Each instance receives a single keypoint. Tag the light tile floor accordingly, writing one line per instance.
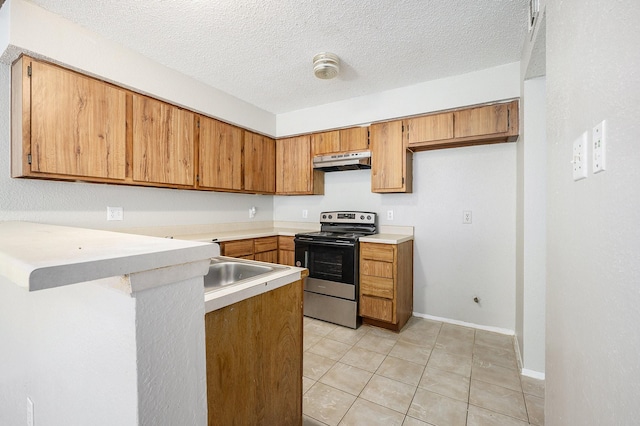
(431, 373)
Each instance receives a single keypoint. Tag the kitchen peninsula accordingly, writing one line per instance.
(103, 327)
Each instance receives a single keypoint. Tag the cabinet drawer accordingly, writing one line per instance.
(286, 243)
(376, 308)
(265, 244)
(381, 252)
(376, 268)
(376, 286)
(237, 248)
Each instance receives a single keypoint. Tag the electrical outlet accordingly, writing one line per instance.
(599, 147)
(579, 161)
(29, 412)
(115, 213)
(252, 212)
(389, 214)
(466, 217)
(305, 214)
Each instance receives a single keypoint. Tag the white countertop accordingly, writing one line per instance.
(386, 238)
(38, 256)
(241, 234)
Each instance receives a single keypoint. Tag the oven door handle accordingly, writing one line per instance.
(337, 243)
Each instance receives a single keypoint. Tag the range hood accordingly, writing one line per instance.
(339, 162)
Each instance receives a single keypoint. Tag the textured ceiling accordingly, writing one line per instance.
(261, 51)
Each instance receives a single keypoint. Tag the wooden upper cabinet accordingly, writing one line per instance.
(391, 163)
(259, 163)
(480, 121)
(163, 142)
(220, 155)
(337, 141)
(294, 171)
(477, 125)
(66, 123)
(429, 128)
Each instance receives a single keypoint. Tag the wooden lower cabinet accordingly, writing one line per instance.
(254, 360)
(386, 284)
(276, 249)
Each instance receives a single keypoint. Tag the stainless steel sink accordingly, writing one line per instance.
(224, 272)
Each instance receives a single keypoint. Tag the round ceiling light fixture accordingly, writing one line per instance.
(326, 65)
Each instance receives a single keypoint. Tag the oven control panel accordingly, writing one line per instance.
(348, 217)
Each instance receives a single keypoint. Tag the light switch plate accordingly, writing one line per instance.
(579, 161)
(599, 138)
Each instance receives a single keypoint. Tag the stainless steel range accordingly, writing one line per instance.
(331, 255)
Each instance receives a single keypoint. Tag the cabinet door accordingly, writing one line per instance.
(287, 257)
(267, 256)
(486, 120)
(294, 173)
(220, 155)
(390, 160)
(326, 143)
(78, 124)
(429, 128)
(163, 148)
(354, 139)
(254, 360)
(259, 163)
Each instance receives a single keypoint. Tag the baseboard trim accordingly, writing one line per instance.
(466, 324)
(533, 374)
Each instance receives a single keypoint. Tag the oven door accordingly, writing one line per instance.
(333, 261)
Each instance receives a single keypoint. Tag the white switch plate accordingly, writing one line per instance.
(305, 214)
(599, 138)
(389, 214)
(466, 217)
(115, 213)
(579, 162)
(252, 212)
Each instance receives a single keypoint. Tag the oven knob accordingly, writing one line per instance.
(369, 217)
(330, 216)
(324, 216)
(361, 217)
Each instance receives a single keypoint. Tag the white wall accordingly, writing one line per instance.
(452, 262)
(593, 268)
(172, 379)
(534, 145)
(82, 204)
(67, 348)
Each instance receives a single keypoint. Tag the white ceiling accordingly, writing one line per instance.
(261, 51)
